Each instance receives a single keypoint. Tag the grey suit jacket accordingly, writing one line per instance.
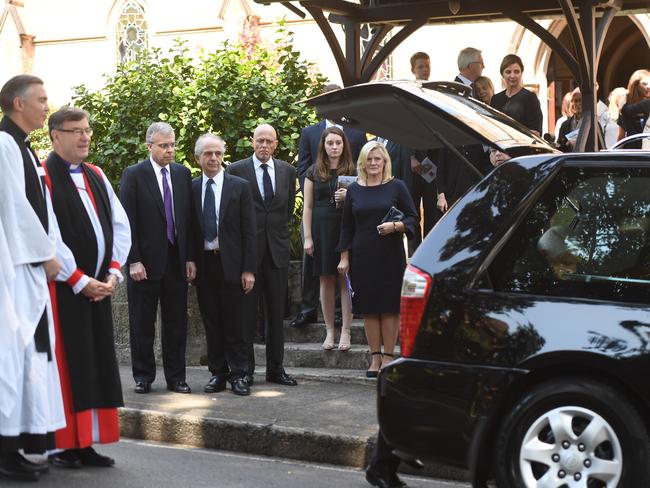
(272, 222)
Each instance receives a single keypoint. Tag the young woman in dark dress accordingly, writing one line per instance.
(321, 217)
(515, 101)
(373, 252)
(633, 116)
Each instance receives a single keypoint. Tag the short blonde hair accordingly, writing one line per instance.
(363, 158)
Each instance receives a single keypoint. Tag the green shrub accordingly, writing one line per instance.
(229, 92)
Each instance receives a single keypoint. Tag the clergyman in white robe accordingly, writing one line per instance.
(30, 393)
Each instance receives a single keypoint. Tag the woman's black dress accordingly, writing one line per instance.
(523, 106)
(632, 119)
(325, 223)
(376, 262)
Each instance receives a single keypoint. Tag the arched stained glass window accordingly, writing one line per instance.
(131, 32)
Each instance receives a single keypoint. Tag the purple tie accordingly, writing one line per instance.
(169, 211)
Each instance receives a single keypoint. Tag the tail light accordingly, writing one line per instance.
(415, 292)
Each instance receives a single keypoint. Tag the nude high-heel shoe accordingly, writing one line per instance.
(328, 345)
(344, 341)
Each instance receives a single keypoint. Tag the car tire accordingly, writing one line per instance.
(565, 430)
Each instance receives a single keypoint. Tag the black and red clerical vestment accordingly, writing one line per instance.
(85, 347)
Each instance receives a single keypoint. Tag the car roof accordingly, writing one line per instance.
(427, 115)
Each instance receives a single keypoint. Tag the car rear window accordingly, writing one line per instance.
(586, 237)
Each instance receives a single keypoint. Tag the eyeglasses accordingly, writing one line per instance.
(478, 62)
(77, 132)
(164, 145)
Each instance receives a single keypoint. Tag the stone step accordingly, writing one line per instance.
(332, 423)
(312, 355)
(316, 333)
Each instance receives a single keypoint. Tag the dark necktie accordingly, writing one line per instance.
(169, 211)
(209, 213)
(268, 186)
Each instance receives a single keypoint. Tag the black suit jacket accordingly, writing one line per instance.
(273, 222)
(308, 149)
(237, 244)
(141, 198)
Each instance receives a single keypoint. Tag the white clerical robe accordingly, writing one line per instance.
(30, 395)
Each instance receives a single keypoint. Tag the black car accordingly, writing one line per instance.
(525, 321)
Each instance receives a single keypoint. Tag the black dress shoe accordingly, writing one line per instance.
(240, 387)
(302, 320)
(281, 379)
(14, 466)
(142, 387)
(68, 459)
(23, 464)
(179, 387)
(90, 457)
(376, 478)
(249, 380)
(216, 384)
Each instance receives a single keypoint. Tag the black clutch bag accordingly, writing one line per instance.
(394, 215)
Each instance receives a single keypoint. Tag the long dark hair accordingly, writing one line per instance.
(345, 166)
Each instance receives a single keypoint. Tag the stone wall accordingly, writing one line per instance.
(195, 336)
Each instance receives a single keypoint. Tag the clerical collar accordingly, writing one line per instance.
(72, 168)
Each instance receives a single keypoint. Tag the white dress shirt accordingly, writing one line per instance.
(259, 173)
(465, 80)
(157, 169)
(216, 189)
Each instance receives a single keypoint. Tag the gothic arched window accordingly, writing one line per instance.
(131, 32)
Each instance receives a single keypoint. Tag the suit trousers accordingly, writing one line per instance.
(144, 296)
(427, 193)
(222, 310)
(383, 460)
(271, 288)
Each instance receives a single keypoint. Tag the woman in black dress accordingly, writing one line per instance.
(515, 101)
(633, 117)
(373, 252)
(321, 219)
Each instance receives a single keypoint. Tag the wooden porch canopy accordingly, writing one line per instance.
(587, 21)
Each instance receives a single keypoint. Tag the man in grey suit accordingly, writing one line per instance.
(273, 183)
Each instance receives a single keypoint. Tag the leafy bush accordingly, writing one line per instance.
(229, 91)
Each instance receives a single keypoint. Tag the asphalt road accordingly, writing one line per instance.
(145, 464)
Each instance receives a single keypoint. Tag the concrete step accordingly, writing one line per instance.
(312, 355)
(332, 423)
(316, 333)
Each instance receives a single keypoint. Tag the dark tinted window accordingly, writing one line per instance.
(587, 236)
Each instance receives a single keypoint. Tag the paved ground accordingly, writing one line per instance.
(152, 465)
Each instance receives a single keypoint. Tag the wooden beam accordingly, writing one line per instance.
(549, 39)
(294, 9)
(332, 41)
(373, 45)
(390, 46)
(353, 49)
(573, 24)
(603, 26)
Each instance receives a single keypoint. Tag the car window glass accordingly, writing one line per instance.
(587, 237)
